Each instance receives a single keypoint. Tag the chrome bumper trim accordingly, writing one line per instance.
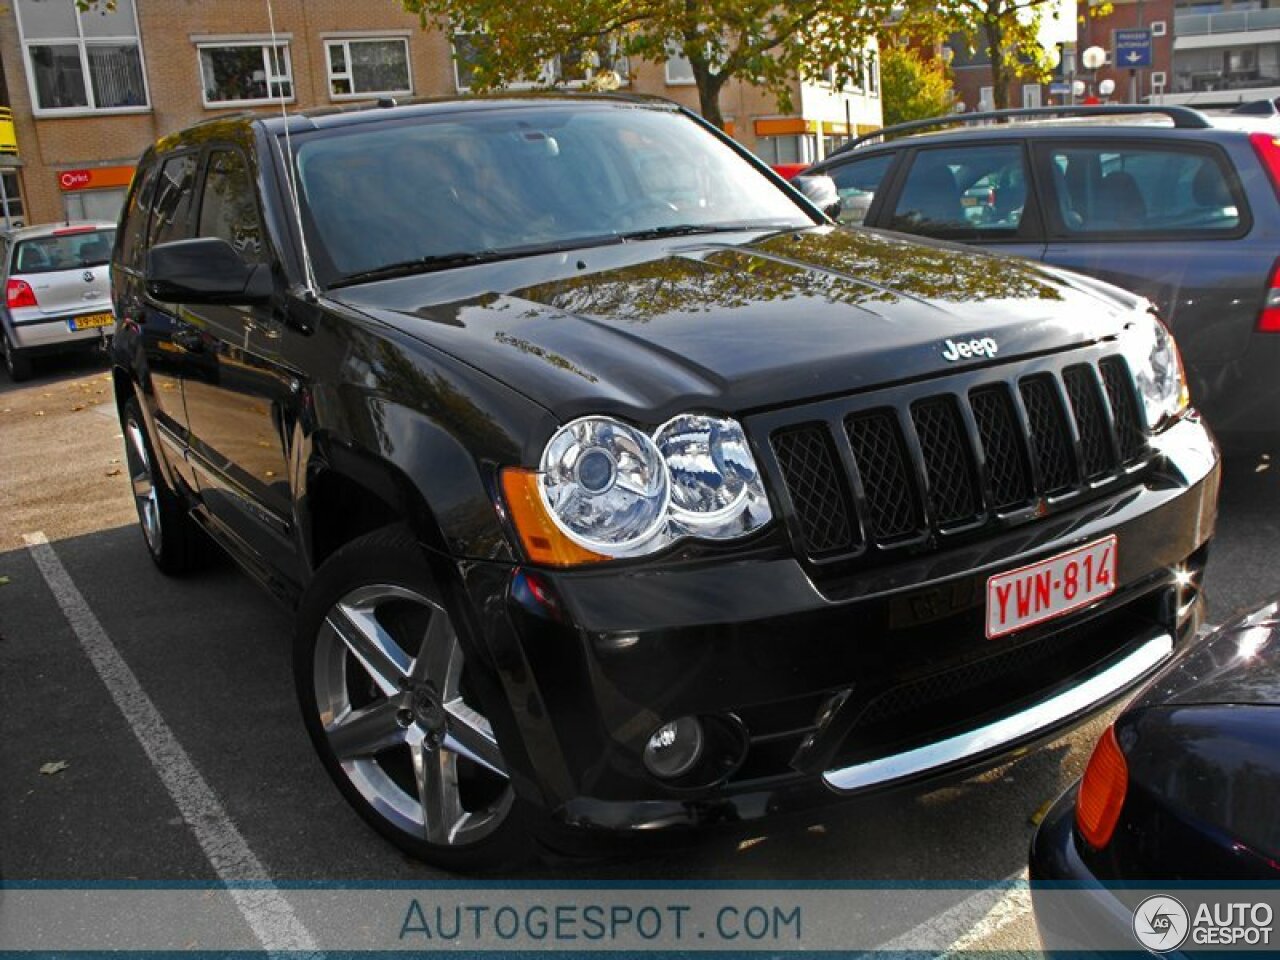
(1007, 730)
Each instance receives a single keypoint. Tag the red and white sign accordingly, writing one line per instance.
(1051, 588)
(95, 178)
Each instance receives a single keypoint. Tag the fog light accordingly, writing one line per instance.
(674, 748)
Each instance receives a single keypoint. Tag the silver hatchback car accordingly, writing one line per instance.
(57, 290)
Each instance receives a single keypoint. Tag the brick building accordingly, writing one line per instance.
(90, 91)
(1132, 86)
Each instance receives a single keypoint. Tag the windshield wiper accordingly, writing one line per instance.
(405, 268)
(693, 229)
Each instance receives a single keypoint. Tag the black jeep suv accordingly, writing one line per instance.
(617, 489)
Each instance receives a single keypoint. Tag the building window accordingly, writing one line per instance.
(1159, 79)
(873, 75)
(465, 57)
(243, 73)
(1159, 28)
(362, 68)
(679, 70)
(789, 148)
(78, 62)
(11, 213)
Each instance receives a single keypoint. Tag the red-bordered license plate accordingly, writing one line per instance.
(1051, 588)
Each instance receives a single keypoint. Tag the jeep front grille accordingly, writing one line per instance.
(942, 461)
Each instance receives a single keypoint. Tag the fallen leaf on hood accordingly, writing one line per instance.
(55, 766)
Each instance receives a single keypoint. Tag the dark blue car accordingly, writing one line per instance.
(1178, 206)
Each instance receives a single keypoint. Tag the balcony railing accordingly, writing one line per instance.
(1233, 21)
(8, 136)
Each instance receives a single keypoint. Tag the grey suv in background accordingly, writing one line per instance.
(1175, 205)
(57, 290)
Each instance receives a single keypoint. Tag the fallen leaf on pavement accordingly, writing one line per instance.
(39, 413)
(77, 408)
(4, 581)
(55, 766)
(113, 472)
(1040, 814)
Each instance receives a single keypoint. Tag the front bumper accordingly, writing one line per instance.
(883, 681)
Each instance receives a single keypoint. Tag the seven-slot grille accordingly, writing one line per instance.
(996, 449)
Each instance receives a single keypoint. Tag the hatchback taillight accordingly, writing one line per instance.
(18, 293)
(1267, 147)
(1269, 317)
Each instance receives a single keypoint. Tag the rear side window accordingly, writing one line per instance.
(857, 183)
(964, 192)
(228, 207)
(68, 251)
(1175, 190)
(172, 207)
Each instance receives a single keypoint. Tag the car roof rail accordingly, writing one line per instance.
(1182, 117)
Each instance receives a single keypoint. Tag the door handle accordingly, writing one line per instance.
(188, 339)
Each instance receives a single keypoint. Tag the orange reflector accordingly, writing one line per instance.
(542, 540)
(1102, 792)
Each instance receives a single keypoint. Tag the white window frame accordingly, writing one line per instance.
(1159, 80)
(263, 43)
(81, 41)
(1159, 28)
(345, 41)
(677, 81)
(873, 74)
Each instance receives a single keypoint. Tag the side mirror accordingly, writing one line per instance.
(821, 192)
(206, 270)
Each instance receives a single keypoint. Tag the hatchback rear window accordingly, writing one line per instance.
(70, 251)
(1105, 189)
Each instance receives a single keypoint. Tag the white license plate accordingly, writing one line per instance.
(1051, 588)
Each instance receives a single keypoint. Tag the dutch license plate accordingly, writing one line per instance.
(1051, 588)
(91, 320)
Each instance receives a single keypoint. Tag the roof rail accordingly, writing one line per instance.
(1183, 117)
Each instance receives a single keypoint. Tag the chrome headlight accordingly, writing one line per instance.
(618, 492)
(1157, 370)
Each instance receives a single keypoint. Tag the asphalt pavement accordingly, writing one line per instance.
(211, 654)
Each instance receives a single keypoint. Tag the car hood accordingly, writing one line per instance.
(648, 329)
(1236, 664)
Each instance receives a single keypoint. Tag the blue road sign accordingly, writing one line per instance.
(1059, 89)
(1132, 48)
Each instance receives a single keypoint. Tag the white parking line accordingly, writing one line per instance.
(1013, 906)
(264, 908)
(974, 918)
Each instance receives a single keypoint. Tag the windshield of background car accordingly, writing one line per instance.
(70, 251)
(489, 181)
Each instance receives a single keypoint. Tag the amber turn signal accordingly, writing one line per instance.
(543, 541)
(1102, 791)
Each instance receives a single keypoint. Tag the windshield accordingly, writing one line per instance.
(71, 250)
(484, 184)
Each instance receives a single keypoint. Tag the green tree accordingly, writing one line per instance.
(1008, 31)
(760, 41)
(912, 87)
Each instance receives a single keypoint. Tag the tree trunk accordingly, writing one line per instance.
(709, 86)
(1001, 73)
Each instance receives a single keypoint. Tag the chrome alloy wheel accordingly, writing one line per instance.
(390, 691)
(142, 477)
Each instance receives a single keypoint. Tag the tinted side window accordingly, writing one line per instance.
(1104, 189)
(857, 183)
(229, 207)
(964, 192)
(137, 215)
(171, 209)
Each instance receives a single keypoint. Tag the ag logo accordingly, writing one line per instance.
(88, 276)
(1161, 923)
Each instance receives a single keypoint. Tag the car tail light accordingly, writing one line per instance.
(18, 293)
(1269, 318)
(70, 231)
(1102, 791)
(1267, 147)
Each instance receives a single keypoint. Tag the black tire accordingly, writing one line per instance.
(16, 362)
(175, 542)
(383, 577)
